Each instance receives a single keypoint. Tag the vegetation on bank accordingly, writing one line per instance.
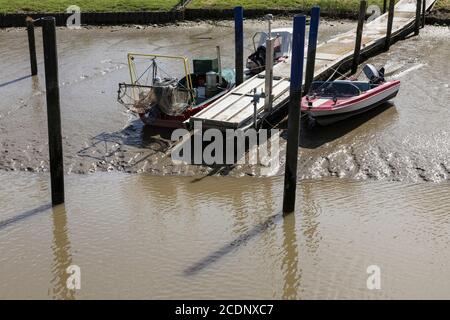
(443, 4)
(338, 5)
(329, 5)
(21, 6)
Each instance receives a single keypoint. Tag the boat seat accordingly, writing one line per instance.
(363, 86)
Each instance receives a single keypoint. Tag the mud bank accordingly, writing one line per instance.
(407, 141)
(441, 16)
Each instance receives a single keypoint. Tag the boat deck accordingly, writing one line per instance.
(236, 110)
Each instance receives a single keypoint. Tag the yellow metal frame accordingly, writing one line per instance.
(187, 68)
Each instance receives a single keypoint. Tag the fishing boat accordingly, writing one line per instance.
(164, 92)
(330, 101)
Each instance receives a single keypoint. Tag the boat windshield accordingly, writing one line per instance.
(283, 40)
(333, 89)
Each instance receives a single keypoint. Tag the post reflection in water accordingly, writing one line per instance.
(309, 212)
(291, 272)
(61, 255)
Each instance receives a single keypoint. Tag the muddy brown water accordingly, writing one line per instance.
(141, 236)
(187, 235)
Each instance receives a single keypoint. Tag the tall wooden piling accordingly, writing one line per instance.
(418, 15)
(268, 98)
(32, 46)
(290, 176)
(312, 45)
(384, 6)
(390, 22)
(53, 110)
(424, 11)
(239, 44)
(359, 33)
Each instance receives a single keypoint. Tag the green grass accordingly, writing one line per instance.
(338, 5)
(443, 4)
(14, 6)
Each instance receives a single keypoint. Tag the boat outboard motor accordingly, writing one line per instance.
(257, 60)
(375, 76)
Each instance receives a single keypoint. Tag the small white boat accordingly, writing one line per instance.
(282, 47)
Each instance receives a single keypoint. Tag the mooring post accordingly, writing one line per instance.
(239, 43)
(424, 11)
(384, 6)
(268, 97)
(53, 110)
(270, 43)
(387, 43)
(359, 33)
(219, 64)
(32, 46)
(290, 175)
(312, 45)
(417, 22)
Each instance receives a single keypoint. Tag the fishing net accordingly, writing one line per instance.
(153, 86)
(169, 98)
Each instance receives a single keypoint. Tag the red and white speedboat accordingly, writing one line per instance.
(330, 101)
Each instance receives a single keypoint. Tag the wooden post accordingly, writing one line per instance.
(359, 32)
(384, 6)
(424, 11)
(219, 64)
(32, 46)
(417, 22)
(290, 175)
(53, 110)
(387, 43)
(268, 97)
(239, 44)
(312, 45)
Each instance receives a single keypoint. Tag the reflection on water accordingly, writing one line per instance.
(310, 212)
(62, 258)
(290, 269)
(139, 236)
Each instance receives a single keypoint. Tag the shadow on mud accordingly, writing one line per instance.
(135, 135)
(313, 135)
(4, 84)
(135, 145)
